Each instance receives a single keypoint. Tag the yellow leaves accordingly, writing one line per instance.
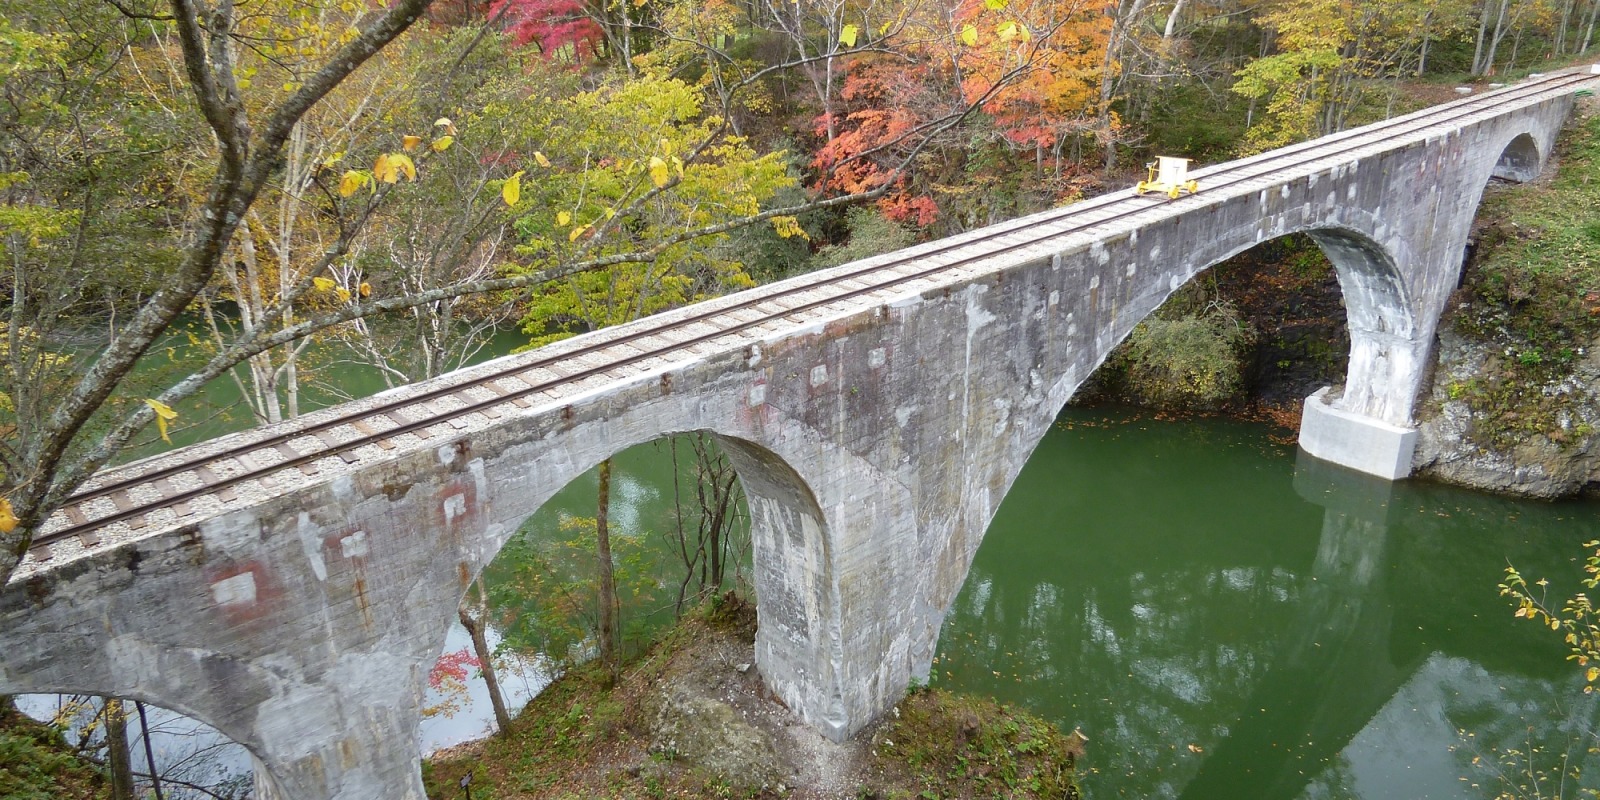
(576, 232)
(563, 219)
(1592, 675)
(406, 165)
(659, 174)
(332, 161)
(449, 127)
(330, 285)
(442, 143)
(409, 143)
(969, 35)
(164, 414)
(996, 5)
(8, 517)
(789, 226)
(352, 182)
(390, 166)
(1011, 30)
(542, 161)
(511, 190)
(847, 35)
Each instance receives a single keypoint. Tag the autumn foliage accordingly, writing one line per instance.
(555, 27)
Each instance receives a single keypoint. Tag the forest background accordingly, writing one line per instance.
(249, 177)
(195, 190)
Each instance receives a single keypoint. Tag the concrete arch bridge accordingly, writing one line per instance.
(292, 585)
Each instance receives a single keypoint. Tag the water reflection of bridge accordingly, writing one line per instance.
(1274, 715)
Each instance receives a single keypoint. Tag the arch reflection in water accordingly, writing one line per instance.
(1223, 625)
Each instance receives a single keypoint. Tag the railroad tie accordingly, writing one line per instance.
(182, 507)
(332, 443)
(451, 417)
(501, 391)
(367, 430)
(308, 468)
(421, 432)
(75, 515)
(265, 478)
(124, 502)
(469, 401)
(226, 493)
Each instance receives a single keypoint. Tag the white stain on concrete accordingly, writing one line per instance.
(235, 590)
(311, 544)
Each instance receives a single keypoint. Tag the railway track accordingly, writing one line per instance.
(178, 484)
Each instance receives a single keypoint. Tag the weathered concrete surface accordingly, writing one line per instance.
(1361, 443)
(875, 443)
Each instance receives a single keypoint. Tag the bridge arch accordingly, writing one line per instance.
(1520, 161)
(1381, 315)
(789, 537)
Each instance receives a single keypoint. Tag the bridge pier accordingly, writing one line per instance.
(1355, 441)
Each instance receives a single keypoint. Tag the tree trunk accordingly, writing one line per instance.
(1172, 25)
(1427, 39)
(608, 580)
(1495, 37)
(1588, 27)
(1477, 47)
(480, 647)
(118, 755)
(149, 751)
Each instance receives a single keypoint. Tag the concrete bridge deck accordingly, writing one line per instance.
(291, 585)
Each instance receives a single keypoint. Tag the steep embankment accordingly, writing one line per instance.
(1515, 399)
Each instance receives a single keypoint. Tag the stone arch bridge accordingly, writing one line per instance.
(291, 586)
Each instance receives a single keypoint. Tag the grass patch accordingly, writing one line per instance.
(939, 745)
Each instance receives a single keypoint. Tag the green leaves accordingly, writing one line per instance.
(645, 164)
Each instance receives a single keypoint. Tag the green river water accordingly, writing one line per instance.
(1224, 620)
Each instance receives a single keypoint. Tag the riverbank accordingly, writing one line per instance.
(1515, 399)
(691, 718)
